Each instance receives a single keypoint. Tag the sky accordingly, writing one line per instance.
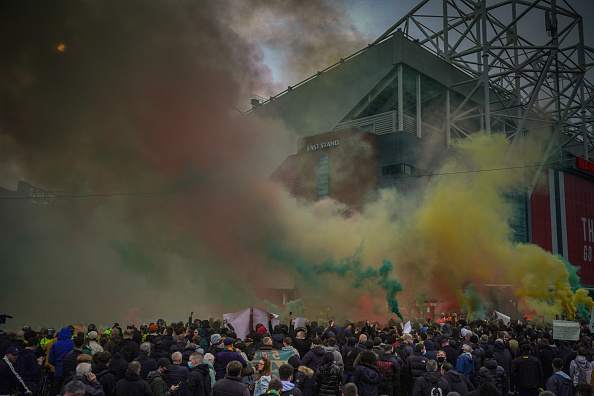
(128, 110)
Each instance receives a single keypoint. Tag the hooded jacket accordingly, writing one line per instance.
(578, 364)
(60, 349)
(494, 371)
(429, 380)
(367, 378)
(290, 389)
(198, 383)
(313, 359)
(301, 376)
(157, 383)
(106, 378)
(560, 384)
(465, 365)
(458, 382)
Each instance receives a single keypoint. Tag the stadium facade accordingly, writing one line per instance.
(388, 114)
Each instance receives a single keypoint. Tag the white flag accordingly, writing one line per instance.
(505, 318)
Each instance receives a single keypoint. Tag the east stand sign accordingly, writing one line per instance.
(565, 330)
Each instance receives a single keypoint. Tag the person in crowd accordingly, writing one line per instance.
(492, 371)
(559, 383)
(10, 381)
(580, 369)
(526, 372)
(264, 376)
(225, 356)
(127, 347)
(390, 366)
(458, 382)
(328, 377)
(285, 374)
(414, 367)
(69, 364)
(146, 363)
(350, 389)
(105, 375)
(28, 365)
(198, 382)
(57, 353)
(156, 379)
(230, 384)
(367, 376)
(465, 362)
(133, 384)
(84, 374)
(178, 374)
(431, 383)
(94, 346)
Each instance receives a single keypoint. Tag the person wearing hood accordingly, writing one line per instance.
(526, 372)
(431, 380)
(301, 374)
(494, 371)
(502, 356)
(367, 376)
(457, 381)
(285, 374)
(332, 347)
(580, 369)
(198, 382)
(465, 362)
(559, 383)
(485, 389)
(57, 353)
(546, 354)
(313, 360)
(215, 344)
(104, 374)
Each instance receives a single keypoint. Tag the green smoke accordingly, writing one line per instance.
(474, 302)
(350, 268)
(574, 282)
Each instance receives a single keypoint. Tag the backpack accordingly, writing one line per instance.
(584, 373)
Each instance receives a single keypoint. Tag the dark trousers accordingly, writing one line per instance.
(528, 391)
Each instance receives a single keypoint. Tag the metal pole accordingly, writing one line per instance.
(400, 100)
(485, 75)
(419, 120)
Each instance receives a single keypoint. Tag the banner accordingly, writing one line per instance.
(239, 321)
(300, 322)
(407, 328)
(564, 330)
(503, 317)
(276, 357)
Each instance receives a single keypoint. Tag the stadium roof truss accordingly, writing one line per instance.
(527, 60)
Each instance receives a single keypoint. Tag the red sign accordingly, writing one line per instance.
(584, 165)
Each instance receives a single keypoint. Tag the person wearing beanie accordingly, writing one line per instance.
(94, 346)
(215, 344)
(224, 357)
(209, 360)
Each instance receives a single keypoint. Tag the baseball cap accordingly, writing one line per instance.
(12, 351)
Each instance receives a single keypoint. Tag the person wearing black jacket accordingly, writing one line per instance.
(146, 363)
(527, 372)
(198, 382)
(231, 385)
(105, 375)
(414, 367)
(328, 378)
(390, 367)
(457, 381)
(429, 380)
(451, 352)
(69, 365)
(132, 384)
(127, 348)
(491, 370)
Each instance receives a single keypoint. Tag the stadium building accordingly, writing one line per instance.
(387, 115)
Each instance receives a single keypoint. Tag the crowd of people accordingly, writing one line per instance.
(205, 358)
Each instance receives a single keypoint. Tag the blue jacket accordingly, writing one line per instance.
(560, 384)
(60, 349)
(465, 365)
